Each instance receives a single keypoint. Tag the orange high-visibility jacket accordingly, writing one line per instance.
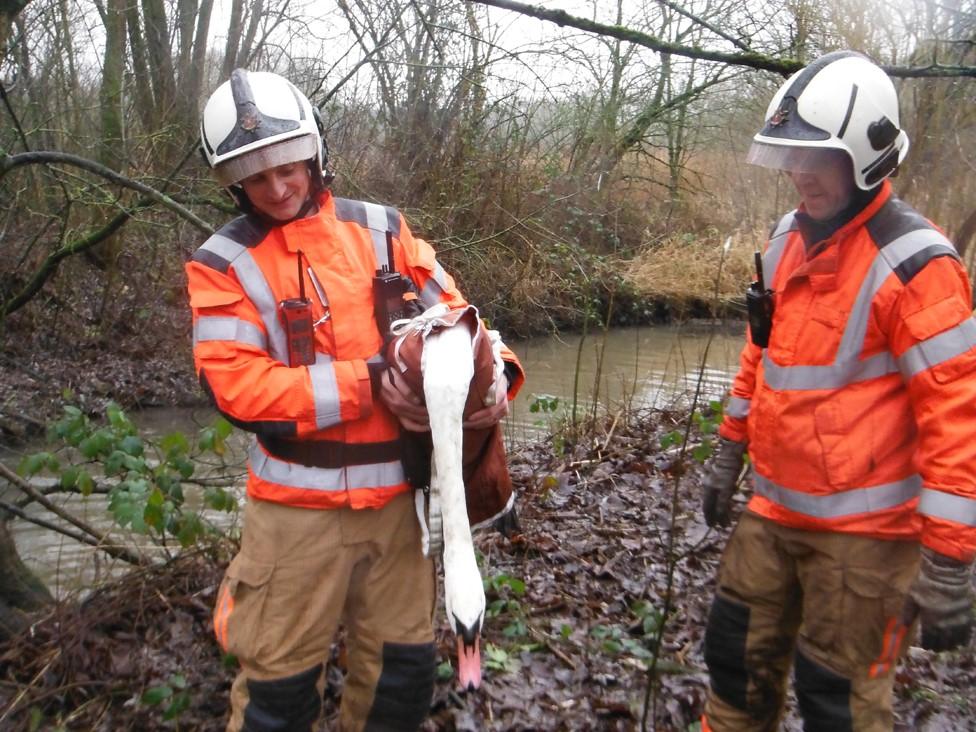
(322, 441)
(861, 414)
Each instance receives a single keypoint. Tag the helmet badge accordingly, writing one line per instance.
(782, 115)
(248, 116)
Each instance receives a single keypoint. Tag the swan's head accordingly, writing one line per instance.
(464, 601)
(469, 653)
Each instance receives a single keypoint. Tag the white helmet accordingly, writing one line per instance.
(841, 101)
(258, 120)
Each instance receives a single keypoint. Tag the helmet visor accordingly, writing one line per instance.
(264, 158)
(793, 159)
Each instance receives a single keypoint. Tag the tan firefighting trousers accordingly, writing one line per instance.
(301, 572)
(827, 602)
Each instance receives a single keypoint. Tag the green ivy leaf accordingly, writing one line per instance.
(85, 483)
(132, 445)
(114, 462)
(174, 443)
(157, 695)
(184, 466)
(190, 529)
(88, 447)
(223, 428)
(69, 477)
(180, 703)
(33, 464)
(701, 452)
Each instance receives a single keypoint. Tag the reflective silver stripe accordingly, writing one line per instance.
(325, 390)
(776, 247)
(801, 378)
(907, 245)
(737, 407)
(323, 357)
(435, 286)
(377, 224)
(844, 503)
(256, 288)
(225, 248)
(293, 475)
(261, 296)
(848, 367)
(213, 328)
(938, 349)
(940, 504)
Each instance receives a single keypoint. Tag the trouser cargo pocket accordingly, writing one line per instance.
(240, 604)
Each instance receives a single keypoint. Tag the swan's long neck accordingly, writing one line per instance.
(448, 365)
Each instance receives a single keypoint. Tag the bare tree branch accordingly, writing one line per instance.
(101, 541)
(51, 261)
(751, 59)
(738, 42)
(10, 162)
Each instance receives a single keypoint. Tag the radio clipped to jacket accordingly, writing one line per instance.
(759, 306)
(393, 296)
(296, 317)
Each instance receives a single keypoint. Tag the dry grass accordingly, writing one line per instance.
(683, 269)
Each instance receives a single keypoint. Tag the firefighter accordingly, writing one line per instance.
(859, 419)
(287, 343)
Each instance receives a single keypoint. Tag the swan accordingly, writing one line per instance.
(445, 342)
(447, 364)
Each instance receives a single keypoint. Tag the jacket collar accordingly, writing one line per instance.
(302, 233)
(817, 235)
(822, 264)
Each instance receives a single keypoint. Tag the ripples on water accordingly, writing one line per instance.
(640, 367)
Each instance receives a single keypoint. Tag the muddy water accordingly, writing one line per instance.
(624, 368)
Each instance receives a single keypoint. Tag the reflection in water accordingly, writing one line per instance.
(640, 367)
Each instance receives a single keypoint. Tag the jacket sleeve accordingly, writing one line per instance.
(933, 338)
(435, 285)
(254, 390)
(735, 421)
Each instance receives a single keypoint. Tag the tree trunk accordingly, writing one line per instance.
(9, 9)
(966, 233)
(21, 592)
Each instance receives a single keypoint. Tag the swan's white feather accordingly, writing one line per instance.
(447, 364)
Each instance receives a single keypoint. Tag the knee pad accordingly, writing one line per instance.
(281, 705)
(725, 650)
(823, 696)
(405, 687)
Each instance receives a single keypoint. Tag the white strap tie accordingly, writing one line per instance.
(423, 324)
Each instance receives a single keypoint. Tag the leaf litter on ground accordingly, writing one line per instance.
(611, 543)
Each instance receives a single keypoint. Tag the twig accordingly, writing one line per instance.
(102, 540)
(27, 688)
(548, 644)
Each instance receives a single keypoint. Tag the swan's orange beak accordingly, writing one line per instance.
(469, 663)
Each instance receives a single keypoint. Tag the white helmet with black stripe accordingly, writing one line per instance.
(258, 120)
(841, 101)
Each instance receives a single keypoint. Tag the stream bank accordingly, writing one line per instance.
(574, 600)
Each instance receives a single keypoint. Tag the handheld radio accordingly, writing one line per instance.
(393, 298)
(759, 307)
(296, 316)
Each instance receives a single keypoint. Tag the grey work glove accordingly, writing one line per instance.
(942, 597)
(720, 482)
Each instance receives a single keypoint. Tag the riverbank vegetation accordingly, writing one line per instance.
(572, 178)
(596, 610)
